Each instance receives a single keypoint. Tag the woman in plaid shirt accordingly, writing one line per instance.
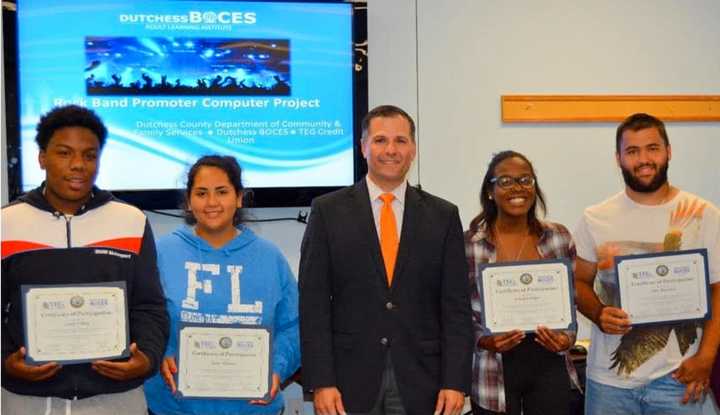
(514, 372)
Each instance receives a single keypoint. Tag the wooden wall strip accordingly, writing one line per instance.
(608, 108)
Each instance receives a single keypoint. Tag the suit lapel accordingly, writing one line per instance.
(366, 227)
(407, 234)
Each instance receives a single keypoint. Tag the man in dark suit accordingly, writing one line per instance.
(384, 306)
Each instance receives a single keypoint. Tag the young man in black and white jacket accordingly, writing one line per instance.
(68, 231)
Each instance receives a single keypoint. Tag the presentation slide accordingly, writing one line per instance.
(270, 83)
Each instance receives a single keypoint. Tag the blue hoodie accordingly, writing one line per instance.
(266, 284)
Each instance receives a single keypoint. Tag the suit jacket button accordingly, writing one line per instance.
(389, 305)
(384, 341)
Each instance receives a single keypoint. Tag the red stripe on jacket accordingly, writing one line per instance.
(16, 247)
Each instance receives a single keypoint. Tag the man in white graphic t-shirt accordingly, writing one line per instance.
(656, 369)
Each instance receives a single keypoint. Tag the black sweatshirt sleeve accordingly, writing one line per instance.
(149, 324)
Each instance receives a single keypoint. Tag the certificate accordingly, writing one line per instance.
(664, 287)
(226, 362)
(524, 295)
(72, 324)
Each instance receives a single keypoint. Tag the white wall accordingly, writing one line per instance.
(470, 52)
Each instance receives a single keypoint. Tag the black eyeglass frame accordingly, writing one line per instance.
(514, 180)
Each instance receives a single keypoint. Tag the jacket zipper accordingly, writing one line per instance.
(67, 229)
(69, 245)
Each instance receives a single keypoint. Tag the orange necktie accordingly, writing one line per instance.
(388, 235)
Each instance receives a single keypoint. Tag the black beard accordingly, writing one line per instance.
(657, 182)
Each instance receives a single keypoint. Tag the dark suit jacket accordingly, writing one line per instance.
(350, 319)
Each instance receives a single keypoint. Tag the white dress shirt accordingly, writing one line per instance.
(398, 204)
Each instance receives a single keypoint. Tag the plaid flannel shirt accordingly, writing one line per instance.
(488, 388)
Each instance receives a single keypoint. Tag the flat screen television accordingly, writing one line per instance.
(279, 85)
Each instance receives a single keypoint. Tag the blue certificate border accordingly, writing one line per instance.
(702, 252)
(571, 287)
(24, 289)
(181, 326)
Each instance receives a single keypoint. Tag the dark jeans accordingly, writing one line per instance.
(536, 380)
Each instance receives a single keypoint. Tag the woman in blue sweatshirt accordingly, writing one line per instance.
(217, 271)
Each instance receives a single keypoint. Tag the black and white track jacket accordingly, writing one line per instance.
(106, 240)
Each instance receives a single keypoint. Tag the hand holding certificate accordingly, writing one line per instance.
(664, 287)
(224, 362)
(17, 367)
(75, 324)
(136, 366)
(525, 295)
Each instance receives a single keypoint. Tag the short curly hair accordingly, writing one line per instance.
(69, 116)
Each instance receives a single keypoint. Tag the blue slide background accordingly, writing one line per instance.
(150, 147)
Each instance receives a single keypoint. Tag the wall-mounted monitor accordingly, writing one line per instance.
(279, 85)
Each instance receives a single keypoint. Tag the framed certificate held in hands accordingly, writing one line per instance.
(664, 287)
(72, 324)
(224, 362)
(524, 295)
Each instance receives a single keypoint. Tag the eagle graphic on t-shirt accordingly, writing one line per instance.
(641, 343)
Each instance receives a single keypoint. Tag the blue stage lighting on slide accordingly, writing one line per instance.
(152, 45)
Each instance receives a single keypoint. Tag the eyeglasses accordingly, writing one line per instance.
(506, 182)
